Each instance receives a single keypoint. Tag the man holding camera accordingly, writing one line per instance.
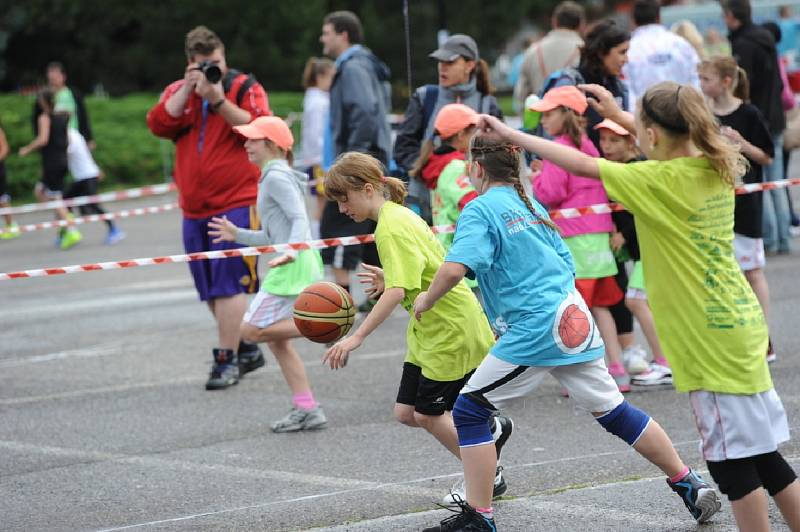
(215, 178)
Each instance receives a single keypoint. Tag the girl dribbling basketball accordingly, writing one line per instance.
(440, 357)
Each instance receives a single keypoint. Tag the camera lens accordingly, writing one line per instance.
(213, 73)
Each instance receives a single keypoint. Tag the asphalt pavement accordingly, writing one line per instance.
(105, 423)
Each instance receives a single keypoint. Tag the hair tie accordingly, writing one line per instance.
(383, 179)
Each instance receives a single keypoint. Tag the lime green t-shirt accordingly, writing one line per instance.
(451, 188)
(454, 336)
(592, 255)
(65, 102)
(707, 317)
(292, 278)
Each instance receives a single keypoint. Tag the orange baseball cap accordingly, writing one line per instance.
(270, 128)
(454, 117)
(567, 96)
(613, 126)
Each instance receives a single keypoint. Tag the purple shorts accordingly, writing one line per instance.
(220, 277)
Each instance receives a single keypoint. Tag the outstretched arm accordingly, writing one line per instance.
(448, 275)
(569, 159)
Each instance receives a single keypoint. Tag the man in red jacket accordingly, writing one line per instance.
(215, 178)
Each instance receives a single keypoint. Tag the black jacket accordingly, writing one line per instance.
(83, 117)
(754, 49)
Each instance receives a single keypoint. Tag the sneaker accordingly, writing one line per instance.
(635, 359)
(250, 358)
(467, 520)
(459, 492)
(224, 372)
(114, 236)
(71, 238)
(12, 231)
(506, 427)
(621, 377)
(698, 496)
(771, 356)
(298, 419)
(654, 376)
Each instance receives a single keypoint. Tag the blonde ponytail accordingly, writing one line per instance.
(681, 111)
(353, 170)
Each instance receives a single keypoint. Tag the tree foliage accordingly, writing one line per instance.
(138, 46)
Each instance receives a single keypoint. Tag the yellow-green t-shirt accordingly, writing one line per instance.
(454, 336)
(708, 320)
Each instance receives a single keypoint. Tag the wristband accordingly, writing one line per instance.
(217, 105)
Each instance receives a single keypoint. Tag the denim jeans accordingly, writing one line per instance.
(776, 205)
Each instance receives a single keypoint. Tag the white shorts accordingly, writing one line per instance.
(749, 252)
(738, 426)
(267, 309)
(588, 383)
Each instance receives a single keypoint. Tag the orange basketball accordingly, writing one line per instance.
(574, 326)
(324, 312)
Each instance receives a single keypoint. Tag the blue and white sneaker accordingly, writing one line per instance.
(114, 236)
(699, 497)
(467, 520)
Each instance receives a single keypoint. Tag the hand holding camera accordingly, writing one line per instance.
(204, 78)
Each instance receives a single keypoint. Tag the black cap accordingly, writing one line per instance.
(458, 45)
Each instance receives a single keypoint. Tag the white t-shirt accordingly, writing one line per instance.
(79, 158)
(655, 55)
(316, 105)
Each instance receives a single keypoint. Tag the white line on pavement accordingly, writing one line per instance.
(12, 401)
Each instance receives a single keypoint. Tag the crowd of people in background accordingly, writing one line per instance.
(693, 106)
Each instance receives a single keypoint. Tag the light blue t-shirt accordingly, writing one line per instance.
(527, 279)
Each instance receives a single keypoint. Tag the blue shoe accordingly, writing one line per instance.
(467, 520)
(114, 236)
(225, 371)
(698, 496)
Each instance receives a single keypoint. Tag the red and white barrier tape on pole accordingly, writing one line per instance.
(139, 211)
(599, 208)
(150, 190)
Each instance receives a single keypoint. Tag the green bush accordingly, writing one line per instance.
(127, 152)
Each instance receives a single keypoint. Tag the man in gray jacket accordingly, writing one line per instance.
(360, 101)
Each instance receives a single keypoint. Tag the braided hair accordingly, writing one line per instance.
(501, 164)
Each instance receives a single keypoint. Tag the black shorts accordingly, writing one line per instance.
(53, 177)
(428, 397)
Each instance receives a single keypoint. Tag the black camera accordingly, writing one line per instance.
(210, 69)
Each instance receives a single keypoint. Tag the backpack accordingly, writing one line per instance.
(564, 76)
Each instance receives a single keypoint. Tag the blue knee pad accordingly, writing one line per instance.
(472, 422)
(625, 421)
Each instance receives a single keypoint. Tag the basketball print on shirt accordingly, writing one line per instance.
(574, 330)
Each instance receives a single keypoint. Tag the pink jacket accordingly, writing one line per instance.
(558, 189)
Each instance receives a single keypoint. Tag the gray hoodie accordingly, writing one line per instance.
(281, 207)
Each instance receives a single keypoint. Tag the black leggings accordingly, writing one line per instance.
(87, 187)
(739, 477)
(623, 317)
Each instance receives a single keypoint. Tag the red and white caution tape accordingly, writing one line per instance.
(771, 185)
(204, 255)
(139, 211)
(600, 208)
(150, 190)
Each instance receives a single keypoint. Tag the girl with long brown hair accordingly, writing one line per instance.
(709, 321)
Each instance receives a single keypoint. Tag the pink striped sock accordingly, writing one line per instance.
(304, 400)
(486, 512)
(680, 475)
(662, 361)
